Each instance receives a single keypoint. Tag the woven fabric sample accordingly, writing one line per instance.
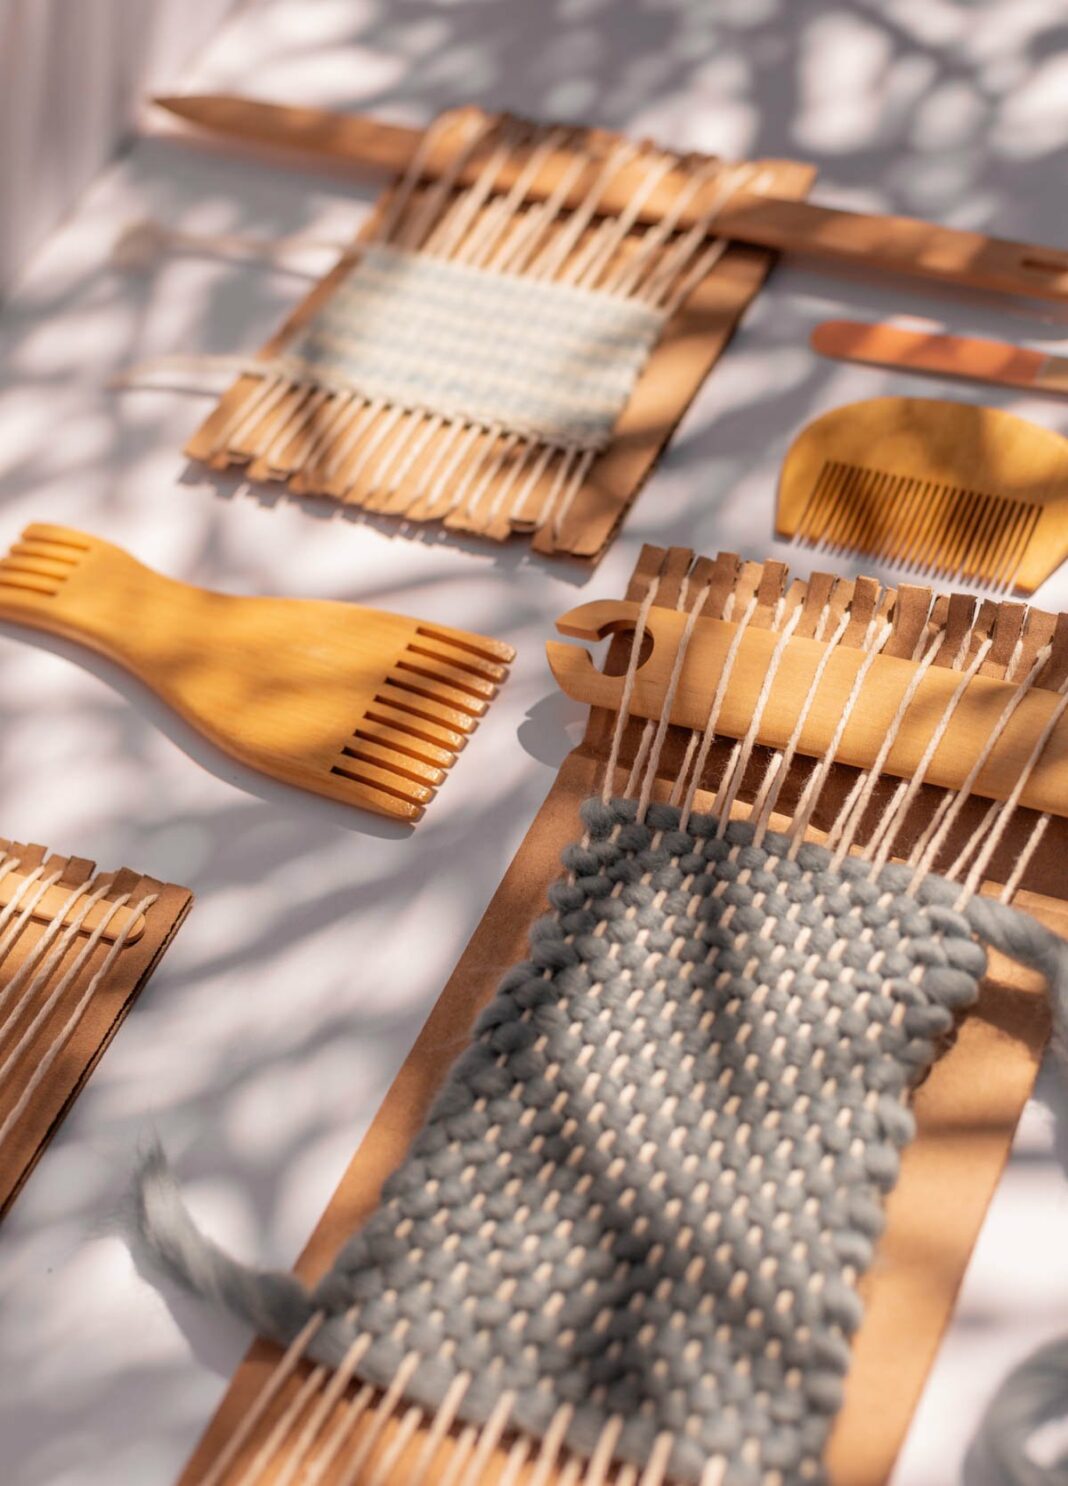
(648, 1188)
(511, 339)
(529, 356)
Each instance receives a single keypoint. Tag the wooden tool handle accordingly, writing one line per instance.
(899, 245)
(191, 645)
(83, 589)
(972, 722)
(929, 351)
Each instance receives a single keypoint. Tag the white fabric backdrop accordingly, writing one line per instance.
(70, 77)
(320, 939)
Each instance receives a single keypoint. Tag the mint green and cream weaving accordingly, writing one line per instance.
(475, 351)
(551, 362)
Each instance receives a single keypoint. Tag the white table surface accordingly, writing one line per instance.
(321, 938)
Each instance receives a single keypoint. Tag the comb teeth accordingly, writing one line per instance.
(420, 719)
(42, 560)
(942, 531)
(487, 658)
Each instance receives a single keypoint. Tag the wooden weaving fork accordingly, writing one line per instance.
(365, 707)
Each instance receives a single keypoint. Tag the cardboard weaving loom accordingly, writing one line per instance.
(745, 690)
(394, 385)
(76, 948)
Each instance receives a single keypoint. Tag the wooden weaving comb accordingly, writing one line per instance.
(76, 948)
(365, 707)
(963, 493)
(965, 1111)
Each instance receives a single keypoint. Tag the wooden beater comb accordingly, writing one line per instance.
(945, 489)
(365, 707)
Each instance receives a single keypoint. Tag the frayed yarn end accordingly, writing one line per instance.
(161, 1227)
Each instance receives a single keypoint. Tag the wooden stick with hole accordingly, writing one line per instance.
(882, 244)
(882, 689)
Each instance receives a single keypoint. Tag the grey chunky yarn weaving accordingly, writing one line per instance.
(672, 1133)
(650, 1184)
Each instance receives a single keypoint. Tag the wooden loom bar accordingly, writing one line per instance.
(890, 244)
(882, 689)
(51, 905)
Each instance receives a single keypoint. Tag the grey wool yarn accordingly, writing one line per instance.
(649, 1186)
(1034, 1393)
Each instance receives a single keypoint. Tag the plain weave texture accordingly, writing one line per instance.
(649, 1185)
(546, 360)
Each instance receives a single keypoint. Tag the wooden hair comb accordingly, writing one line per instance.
(941, 488)
(365, 707)
(76, 947)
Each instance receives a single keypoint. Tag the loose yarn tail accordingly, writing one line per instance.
(1035, 1393)
(275, 1303)
(1025, 940)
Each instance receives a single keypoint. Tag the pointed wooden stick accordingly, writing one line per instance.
(898, 245)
